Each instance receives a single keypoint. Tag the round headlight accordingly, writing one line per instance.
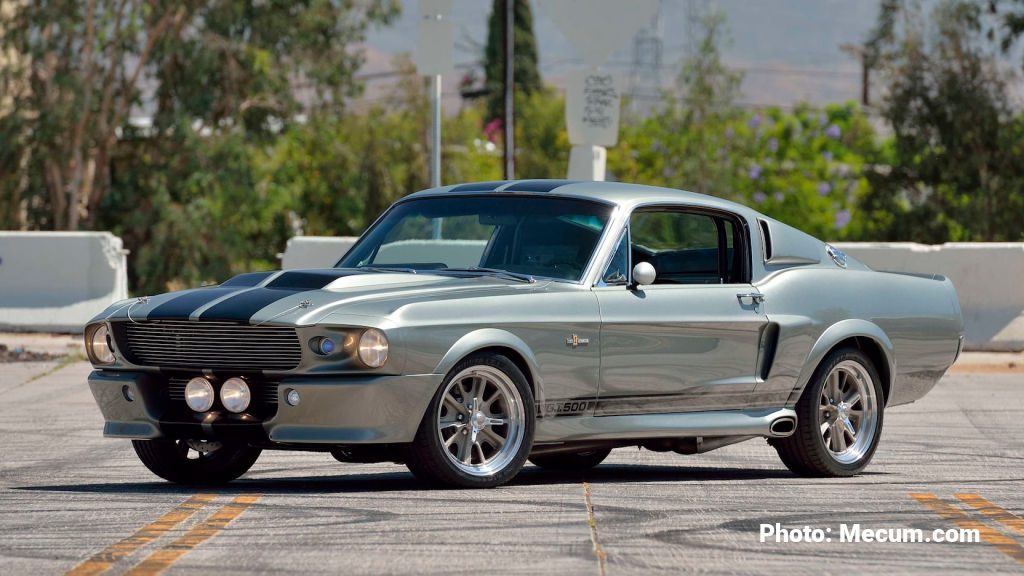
(199, 394)
(234, 395)
(99, 346)
(373, 348)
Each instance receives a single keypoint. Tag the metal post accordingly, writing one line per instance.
(435, 149)
(509, 88)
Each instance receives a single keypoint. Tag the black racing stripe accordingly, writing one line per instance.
(479, 186)
(241, 308)
(538, 185)
(310, 279)
(184, 305)
(247, 280)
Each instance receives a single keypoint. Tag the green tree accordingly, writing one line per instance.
(954, 170)
(542, 141)
(524, 67)
(804, 167)
(221, 64)
(82, 63)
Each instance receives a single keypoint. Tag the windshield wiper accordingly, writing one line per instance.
(493, 271)
(386, 269)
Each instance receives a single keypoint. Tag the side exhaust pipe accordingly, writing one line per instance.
(782, 427)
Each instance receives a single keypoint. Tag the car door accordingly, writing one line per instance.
(690, 340)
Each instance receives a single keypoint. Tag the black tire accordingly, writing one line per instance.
(169, 460)
(428, 459)
(805, 452)
(571, 462)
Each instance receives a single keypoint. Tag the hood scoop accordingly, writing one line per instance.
(381, 279)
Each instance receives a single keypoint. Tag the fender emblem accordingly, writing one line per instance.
(575, 341)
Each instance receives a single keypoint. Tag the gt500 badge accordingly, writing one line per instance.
(566, 408)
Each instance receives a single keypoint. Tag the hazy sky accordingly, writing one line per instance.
(788, 49)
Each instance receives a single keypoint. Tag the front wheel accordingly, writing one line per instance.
(839, 418)
(196, 461)
(478, 429)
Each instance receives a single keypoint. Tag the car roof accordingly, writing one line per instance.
(618, 193)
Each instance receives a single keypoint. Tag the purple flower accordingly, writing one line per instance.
(729, 132)
(754, 121)
(824, 188)
(755, 172)
(773, 145)
(779, 196)
(760, 197)
(834, 132)
(827, 156)
(822, 119)
(842, 219)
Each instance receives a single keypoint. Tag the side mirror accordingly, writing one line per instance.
(644, 274)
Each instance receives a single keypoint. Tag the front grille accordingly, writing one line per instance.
(210, 345)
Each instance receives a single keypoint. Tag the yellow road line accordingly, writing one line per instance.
(602, 557)
(107, 557)
(1005, 517)
(990, 535)
(163, 558)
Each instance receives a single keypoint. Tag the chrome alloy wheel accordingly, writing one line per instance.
(848, 412)
(481, 420)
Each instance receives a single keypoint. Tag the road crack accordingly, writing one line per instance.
(602, 557)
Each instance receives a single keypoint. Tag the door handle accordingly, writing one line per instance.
(754, 297)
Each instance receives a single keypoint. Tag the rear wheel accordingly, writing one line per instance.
(196, 461)
(839, 418)
(571, 462)
(479, 427)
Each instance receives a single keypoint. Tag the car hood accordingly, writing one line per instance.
(305, 297)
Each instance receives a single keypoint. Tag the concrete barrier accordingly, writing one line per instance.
(57, 281)
(315, 251)
(988, 277)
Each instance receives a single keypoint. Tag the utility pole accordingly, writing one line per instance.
(509, 89)
(861, 53)
(865, 80)
(435, 150)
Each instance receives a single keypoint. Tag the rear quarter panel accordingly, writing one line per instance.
(915, 320)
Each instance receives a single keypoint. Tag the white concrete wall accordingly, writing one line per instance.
(57, 281)
(315, 251)
(989, 279)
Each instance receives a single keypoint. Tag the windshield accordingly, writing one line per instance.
(547, 237)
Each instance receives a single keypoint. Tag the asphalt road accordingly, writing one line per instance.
(70, 499)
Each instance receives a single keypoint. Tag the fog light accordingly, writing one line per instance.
(292, 397)
(373, 348)
(235, 395)
(199, 394)
(128, 393)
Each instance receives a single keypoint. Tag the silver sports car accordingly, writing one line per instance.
(478, 326)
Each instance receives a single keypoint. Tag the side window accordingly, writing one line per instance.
(618, 268)
(686, 247)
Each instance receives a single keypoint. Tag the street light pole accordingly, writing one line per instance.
(509, 87)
